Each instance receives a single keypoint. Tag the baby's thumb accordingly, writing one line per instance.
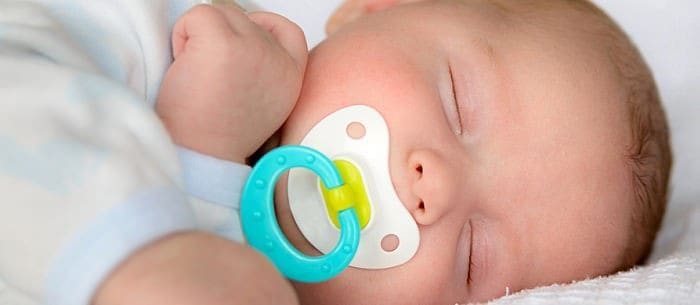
(286, 32)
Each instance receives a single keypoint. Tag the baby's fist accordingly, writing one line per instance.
(234, 81)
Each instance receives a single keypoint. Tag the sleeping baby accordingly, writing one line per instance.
(526, 140)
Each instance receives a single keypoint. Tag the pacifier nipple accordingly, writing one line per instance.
(356, 138)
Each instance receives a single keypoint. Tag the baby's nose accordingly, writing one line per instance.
(431, 184)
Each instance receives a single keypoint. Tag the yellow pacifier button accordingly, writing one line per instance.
(352, 194)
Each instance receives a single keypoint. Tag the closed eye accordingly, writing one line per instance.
(459, 128)
(471, 253)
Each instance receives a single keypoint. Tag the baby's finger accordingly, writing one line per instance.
(286, 32)
(228, 2)
(202, 21)
(179, 38)
(236, 17)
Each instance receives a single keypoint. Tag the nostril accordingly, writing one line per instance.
(419, 168)
(421, 205)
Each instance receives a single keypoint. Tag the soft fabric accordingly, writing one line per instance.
(88, 174)
(673, 279)
(216, 187)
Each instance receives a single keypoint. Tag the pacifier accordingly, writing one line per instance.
(260, 225)
(343, 203)
(357, 138)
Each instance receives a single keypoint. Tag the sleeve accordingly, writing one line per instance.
(88, 175)
(215, 187)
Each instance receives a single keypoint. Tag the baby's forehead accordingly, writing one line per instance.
(426, 13)
(535, 19)
(430, 23)
(561, 14)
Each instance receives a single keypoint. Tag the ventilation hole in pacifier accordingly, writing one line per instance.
(390, 242)
(356, 130)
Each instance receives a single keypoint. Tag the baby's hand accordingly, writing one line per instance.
(234, 81)
(195, 269)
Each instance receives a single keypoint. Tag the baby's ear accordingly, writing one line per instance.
(353, 9)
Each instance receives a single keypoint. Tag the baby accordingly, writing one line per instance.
(527, 139)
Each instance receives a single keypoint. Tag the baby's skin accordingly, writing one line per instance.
(508, 144)
(233, 82)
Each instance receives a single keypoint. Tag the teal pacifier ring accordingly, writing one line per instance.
(262, 230)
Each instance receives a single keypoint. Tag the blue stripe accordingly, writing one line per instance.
(107, 241)
(211, 179)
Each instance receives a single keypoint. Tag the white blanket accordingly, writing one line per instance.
(673, 279)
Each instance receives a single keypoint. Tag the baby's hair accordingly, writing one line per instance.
(649, 156)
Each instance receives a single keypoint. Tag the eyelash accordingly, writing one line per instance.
(471, 253)
(460, 128)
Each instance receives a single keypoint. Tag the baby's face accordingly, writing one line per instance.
(507, 147)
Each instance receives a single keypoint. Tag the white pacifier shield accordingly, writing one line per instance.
(370, 153)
